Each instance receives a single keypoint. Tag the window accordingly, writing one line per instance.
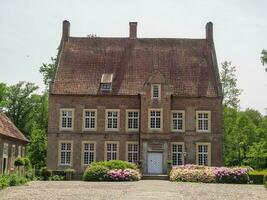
(203, 121)
(177, 154)
(203, 154)
(65, 153)
(67, 116)
(106, 82)
(132, 152)
(155, 92)
(13, 155)
(112, 120)
(178, 122)
(19, 151)
(106, 86)
(88, 152)
(132, 120)
(89, 121)
(112, 151)
(155, 119)
(5, 150)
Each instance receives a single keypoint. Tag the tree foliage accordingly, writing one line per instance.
(19, 104)
(38, 146)
(264, 58)
(231, 92)
(48, 71)
(245, 132)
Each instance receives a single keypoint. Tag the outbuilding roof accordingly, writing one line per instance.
(8, 129)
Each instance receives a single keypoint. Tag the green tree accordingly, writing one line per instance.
(48, 70)
(264, 58)
(37, 148)
(231, 92)
(257, 155)
(3, 91)
(19, 104)
(254, 115)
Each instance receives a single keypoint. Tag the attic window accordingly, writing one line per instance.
(106, 82)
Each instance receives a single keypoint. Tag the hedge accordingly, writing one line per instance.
(257, 177)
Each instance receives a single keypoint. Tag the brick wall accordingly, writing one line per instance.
(167, 103)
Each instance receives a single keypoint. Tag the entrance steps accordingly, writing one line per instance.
(155, 177)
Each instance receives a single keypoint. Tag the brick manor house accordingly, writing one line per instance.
(153, 100)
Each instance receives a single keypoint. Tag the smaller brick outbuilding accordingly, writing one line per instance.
(12, 144)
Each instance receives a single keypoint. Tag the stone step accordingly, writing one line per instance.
(155, 177)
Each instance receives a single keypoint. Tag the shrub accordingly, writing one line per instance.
(3, 182)
(123, 175)
(19, 162)
(194, 173)
(46, 173)
(95, 173)
(15, 179)
(27, 162)
(56, 178)
(190, 173)
(116, 164)
(257, 177)
(231, 175)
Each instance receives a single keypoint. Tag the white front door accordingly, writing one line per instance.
(154, 163)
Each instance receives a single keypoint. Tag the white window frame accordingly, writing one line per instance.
(161, 119)
(107, 117)
(208, 153)
(197, 121)
(178, 152)
(152, 91)
(19, 151)
(88, 151)
(183, 120)
(13, 156)
(61, 118)
(133, 118)
(117, 150)
(59, 152)
(129, 151)
(84, 119)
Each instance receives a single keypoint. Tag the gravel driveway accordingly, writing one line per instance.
(145, 189)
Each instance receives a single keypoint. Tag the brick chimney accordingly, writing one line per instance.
(133, 30)
(66, 30)
(209, 31)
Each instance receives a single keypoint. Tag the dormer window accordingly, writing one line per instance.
(155, 91)
(106, 82)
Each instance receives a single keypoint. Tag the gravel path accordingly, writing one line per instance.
(146, 189)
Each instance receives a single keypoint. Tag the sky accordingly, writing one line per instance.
(30, 32)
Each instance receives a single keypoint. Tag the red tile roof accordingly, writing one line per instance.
(7, 128)
(187, 65)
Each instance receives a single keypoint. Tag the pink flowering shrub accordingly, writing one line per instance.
(192, 173)
(205, 174)
(123, 175)
(113, 170)
(231, 175)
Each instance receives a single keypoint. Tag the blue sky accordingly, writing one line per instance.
(30, 32)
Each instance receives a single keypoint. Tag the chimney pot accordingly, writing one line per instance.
(209, 31)
(133, 30)
(66, 30)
